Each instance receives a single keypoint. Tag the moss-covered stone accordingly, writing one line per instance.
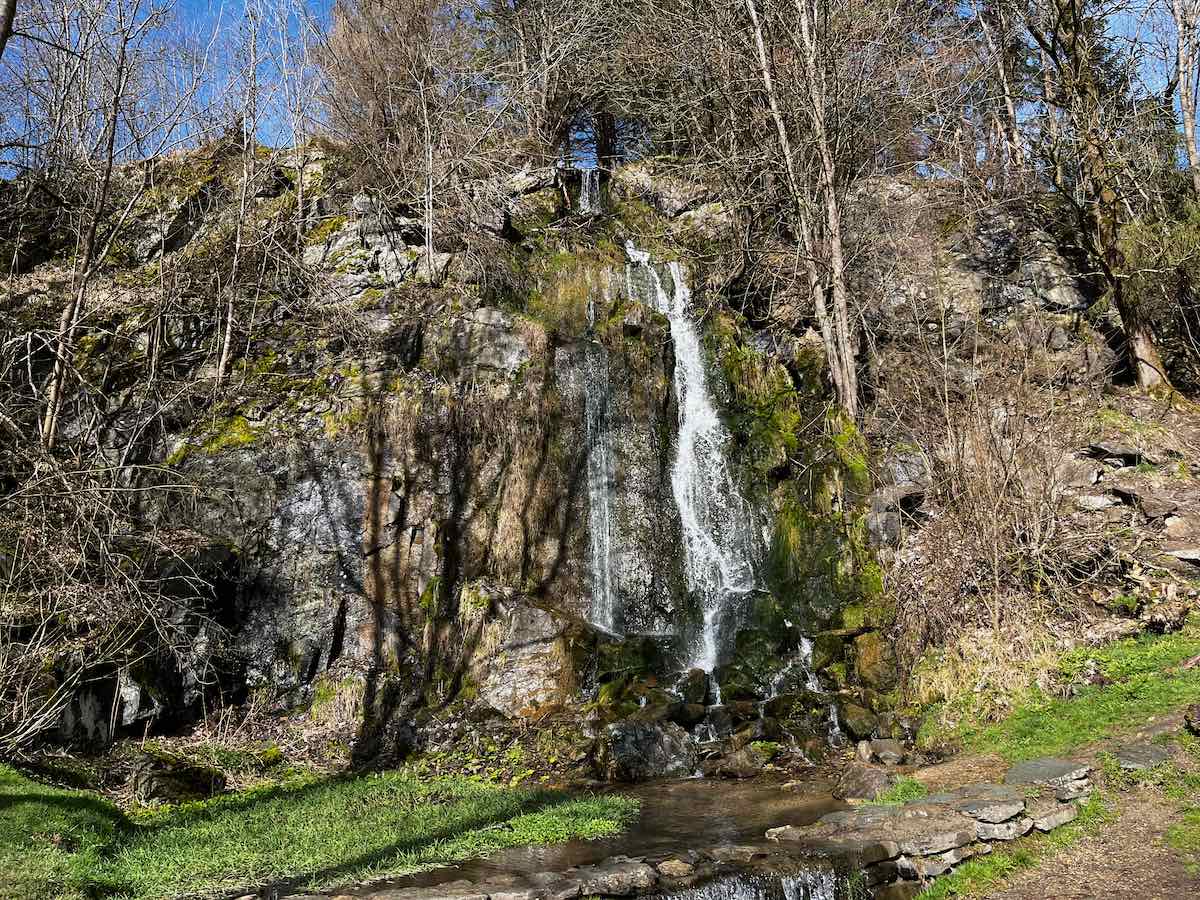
(875, 661)
(535, 212)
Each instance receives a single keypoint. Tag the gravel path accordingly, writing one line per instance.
(1127, 860)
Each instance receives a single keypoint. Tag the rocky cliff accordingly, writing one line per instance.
(391, 499)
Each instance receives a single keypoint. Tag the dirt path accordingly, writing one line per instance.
(1127, 859)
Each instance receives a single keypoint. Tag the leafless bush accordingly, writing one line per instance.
(995, 546)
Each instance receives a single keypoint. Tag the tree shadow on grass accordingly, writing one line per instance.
(118, 833)
(349, 869)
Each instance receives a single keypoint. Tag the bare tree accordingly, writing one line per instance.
(1070, 36)
(1186, 16)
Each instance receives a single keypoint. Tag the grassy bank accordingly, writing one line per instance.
(1135, 681)
(310, 832)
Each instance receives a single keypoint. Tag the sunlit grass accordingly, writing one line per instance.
(311, 832)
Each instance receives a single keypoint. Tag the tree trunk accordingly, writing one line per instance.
(843, 356)
(1185, 14)
(8, 13)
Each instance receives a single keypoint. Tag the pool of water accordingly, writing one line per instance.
(677, 816)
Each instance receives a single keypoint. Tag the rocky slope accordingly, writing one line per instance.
(389, 494)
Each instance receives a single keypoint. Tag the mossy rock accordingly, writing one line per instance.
(875, 661)
(162, 776)
(858, 721)
(535, 212)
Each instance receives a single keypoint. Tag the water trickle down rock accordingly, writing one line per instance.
(716, 521)
(604, 611)
(817, 883)
(589, 192)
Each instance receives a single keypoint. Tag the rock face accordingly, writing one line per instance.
(632, 751)
(392, 497)
(160, 778)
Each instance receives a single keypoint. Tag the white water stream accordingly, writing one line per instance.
(715, 518)
(589, 192)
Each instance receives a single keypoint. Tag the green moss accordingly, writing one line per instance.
(768, 750)
(325, 230)
(535, 212)
(232, 433)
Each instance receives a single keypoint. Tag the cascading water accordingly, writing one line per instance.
(800, 668)
(589, 192)
(599, 478)
(716, 520)
(811, 884)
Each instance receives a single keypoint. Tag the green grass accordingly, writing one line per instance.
(978, 876)
(1184, 837)
(1145, 684)
(310, 832)
(905, 790)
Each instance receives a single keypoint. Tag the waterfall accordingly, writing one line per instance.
(589, 192)
(715, 518)
(599, 478)
(801, 665)
(810, 884)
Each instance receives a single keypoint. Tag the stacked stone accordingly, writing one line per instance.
(900, 849)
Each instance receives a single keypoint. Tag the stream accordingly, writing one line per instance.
(677, 816)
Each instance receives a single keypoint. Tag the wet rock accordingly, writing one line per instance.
(859, 722)
(161, 777)
(719, 721)
(744, 763)
(693, 686)
(861, 851)
(687, 715)
(860, 781)
(675, 868)
(632, 751)
(616, 877)
(874, 660)
(1135, 757)
(888, 752)
(743, 711)
(863, 751)
(1047, 771)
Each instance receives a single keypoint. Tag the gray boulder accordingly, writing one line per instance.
(860, 781)
(632, 751)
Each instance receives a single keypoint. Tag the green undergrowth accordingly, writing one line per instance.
(905, 790)
(977, 877)
(1138, 679)
(308, 833)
